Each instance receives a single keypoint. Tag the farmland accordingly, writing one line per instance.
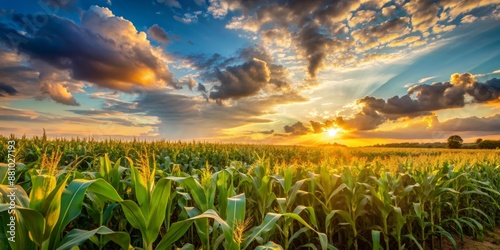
(115, 194)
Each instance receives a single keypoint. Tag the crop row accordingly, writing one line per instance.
(142, 199)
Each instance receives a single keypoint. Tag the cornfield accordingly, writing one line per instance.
(112, 194)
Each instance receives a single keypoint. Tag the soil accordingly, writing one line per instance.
(491, 242)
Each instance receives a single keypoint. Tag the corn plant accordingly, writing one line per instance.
(148, 213)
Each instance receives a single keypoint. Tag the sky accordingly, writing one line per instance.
(310, 72)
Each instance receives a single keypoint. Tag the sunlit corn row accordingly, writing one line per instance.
(163, 195)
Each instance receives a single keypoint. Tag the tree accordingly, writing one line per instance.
(455, 141)
(479, 140)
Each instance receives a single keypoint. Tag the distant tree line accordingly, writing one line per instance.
(489, 144)
(454, 141)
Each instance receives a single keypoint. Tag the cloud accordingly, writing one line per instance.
(297, 128)
(104, 49)
(15, 71)
(258, 73)
(266, 132)
(317, 32)
(431, 128)
(382, 33)
(63, 4)
(465, 6)
(59, 93)
(276, 36)
(12, 114)
(404, 41)
(423, 13)
(426, 79)
(170, 3)
(362, 17)
(188, 18)
(473, 123)
(218, 8)
(468, 19)
(251, 70)
(241, 81)
(440, 28)
(7, 89)
(190, 82)
(201, 88)
(315, 48)
(158, 34)
(389, 11)
(189, 117)
(421, 100)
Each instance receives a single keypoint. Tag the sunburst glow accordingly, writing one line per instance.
(332, 132)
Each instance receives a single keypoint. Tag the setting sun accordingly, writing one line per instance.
(332, 132)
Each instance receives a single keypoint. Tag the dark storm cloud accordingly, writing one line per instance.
(315, 47)
(241, 81)
(7, 89)
(158, 34)
(201, 88)
(104, 49)
(297, 128)
(249, 71)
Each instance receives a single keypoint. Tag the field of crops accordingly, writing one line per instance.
(171, 195)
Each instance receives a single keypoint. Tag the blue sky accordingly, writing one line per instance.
(284, 72)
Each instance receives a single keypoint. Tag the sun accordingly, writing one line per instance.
(332, 132)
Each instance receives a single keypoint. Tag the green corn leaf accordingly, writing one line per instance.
(140, 187)
(178, 229)
(108, 212)
(266, 226)
(450, 238)
(195, 189)
(297, 234)
(411, 237)
(161, 195)
(76, 237)
(41, 187)
(104, 190)
(72, 202)
(322, 237)
(22, 199)
(32, 220)
(52, 207)
(236, 210)
(376, 240)
(188, 246)
(201, 224)
(269, 246)
(134, 215)
(4, 170)
(222, 179)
